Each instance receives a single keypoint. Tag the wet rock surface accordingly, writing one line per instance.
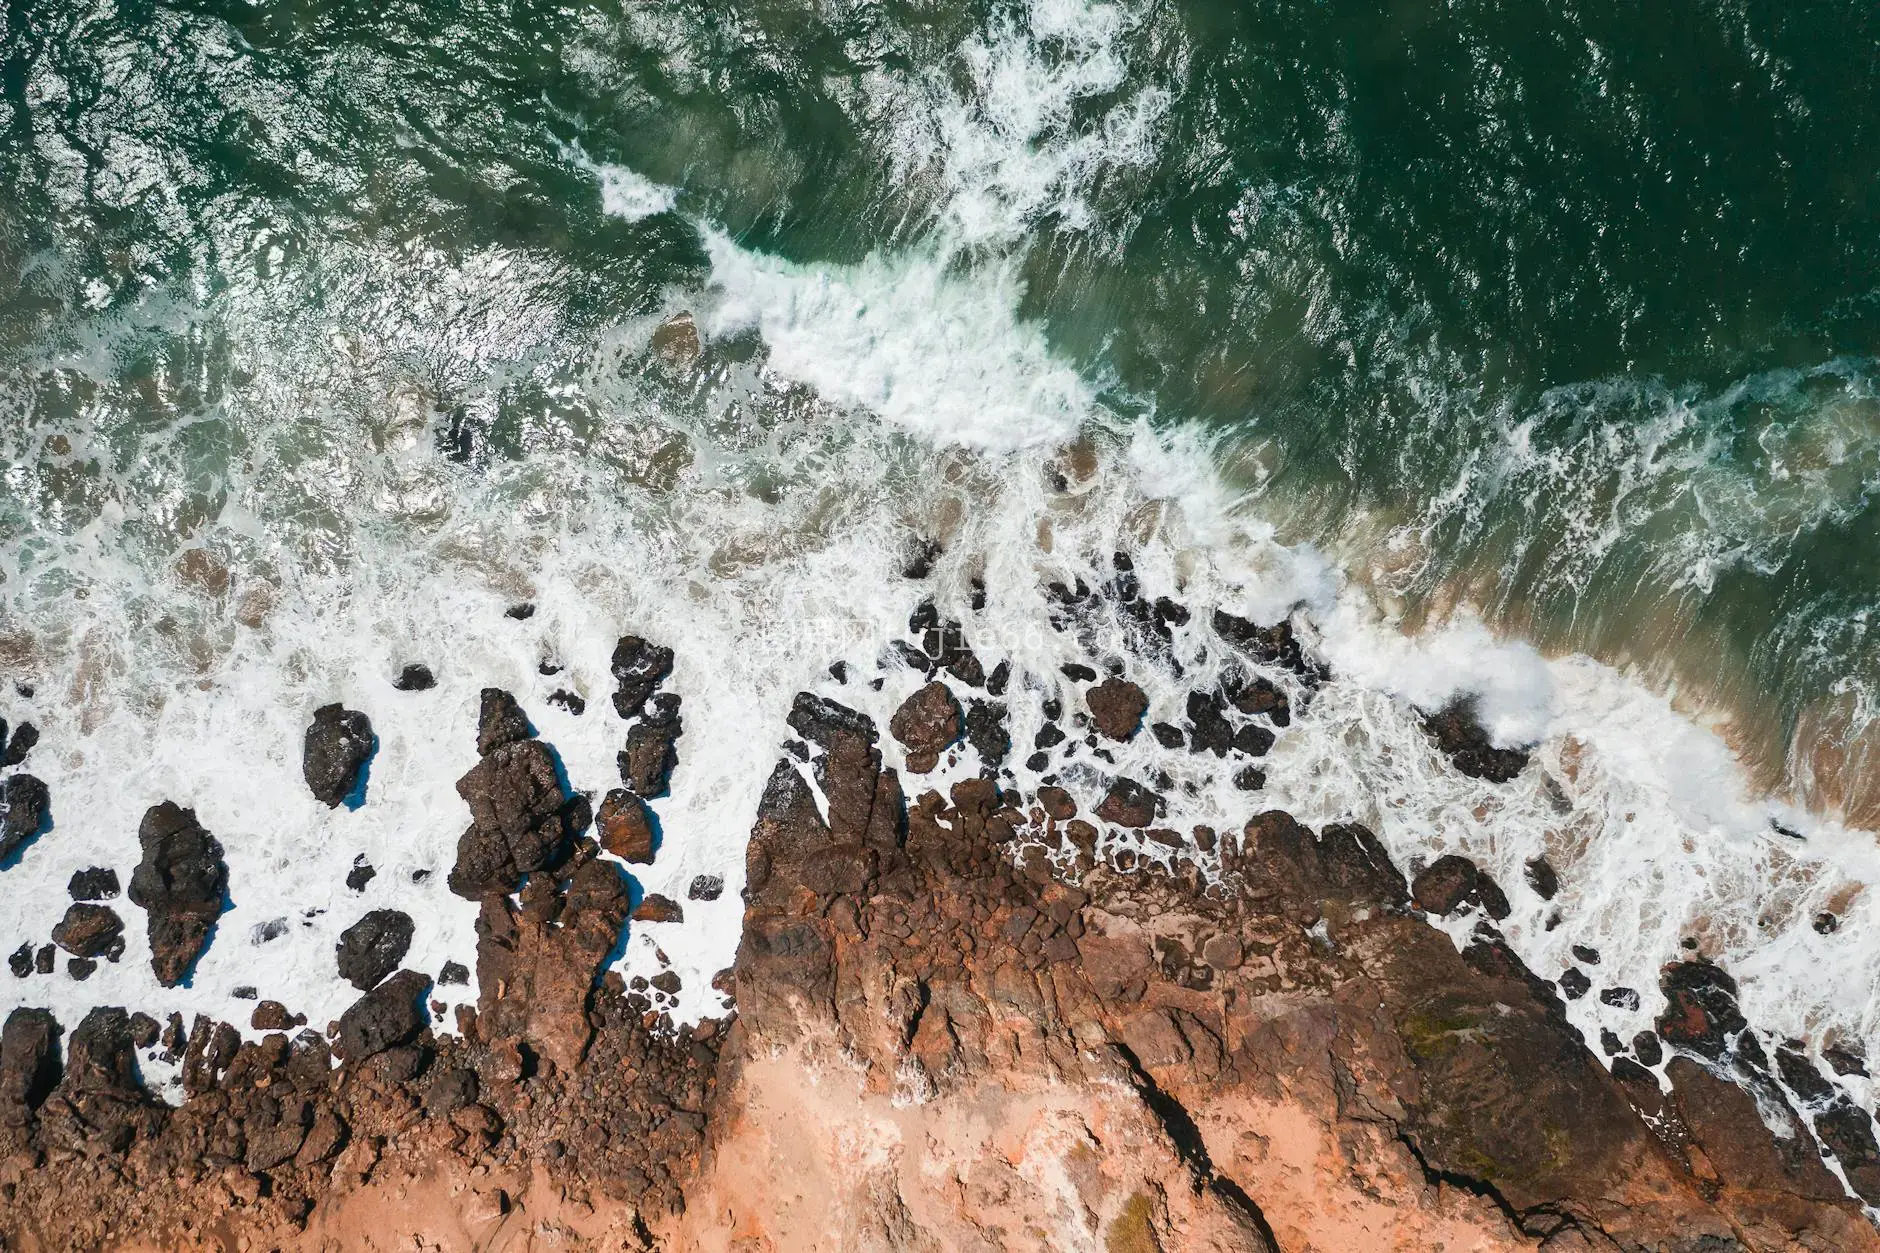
(25, 802)
(372, 948)
(338, 744)
(1464, 740)
(180, 883)
(1099, 1030)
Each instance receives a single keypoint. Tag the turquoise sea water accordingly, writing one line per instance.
(1565, 311)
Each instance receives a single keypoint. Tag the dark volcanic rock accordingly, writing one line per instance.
(1464, 740)
(90, 931)
(1542, 878)
(705, 887)
(926, 724)
(371, 948)
(338, 744)
(1129, 804)
(1209, 731)
(638, 668)
(20, 960)
(180, 883)
(1444, 885)
(820, 721)
(626, 827)
(29, 1071)
(1117, 706)
(361, 874)
(25, 736)
(1701, 1012)
(500, 721)
(519, 818)
(24, 803)
(94, 883)
(1263, 696)
(99, 1107)
(389, 1015)
(647, 762)
(415, 677)
(985, 731)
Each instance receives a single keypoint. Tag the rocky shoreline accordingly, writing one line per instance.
(969, 1011)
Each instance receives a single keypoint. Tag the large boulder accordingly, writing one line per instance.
(1117, 707)
(371, 948)
(518, 819)
(926, 724)
(339, 742)
(180, 883)
(389, 1015)
(90, 931)
(626, 827)
(24, 802)
(100, 1106)
(647, 762)
(29, 1071)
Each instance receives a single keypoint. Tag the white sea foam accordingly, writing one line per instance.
(754, 516)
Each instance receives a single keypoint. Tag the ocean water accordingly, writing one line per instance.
(1517, 351)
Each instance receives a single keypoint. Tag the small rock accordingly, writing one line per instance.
(1253, 740)
(94, 883)
(657, 908)
(80, 968)
(626, 827)
(43, 959)
(24, 802)
(337, 746)
(1117, 707)
(1619, 998)
(89, 931)
(1493, 900)
(1077, 672)
(361, 873)
(454, 974)
(1584, 953)
(20, 961)
(705, 887)
(647, 763)
(271, 1016)
(144, 1030)
(1129, 804)
(1249, 778)
(371, 948)
(1826, 923)
(985, 731)
(521, 613)
(1167, 736)
(568, 700)
(1223, 952)
(415, 677)
(667, 981)
(1542, 878)
(676, 340)
(926, 723)
(1057, 803)
(1574, 984)
(638, 667)
(25, 735)
(1444, 885)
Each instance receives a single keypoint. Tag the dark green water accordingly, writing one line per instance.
(1566, 310)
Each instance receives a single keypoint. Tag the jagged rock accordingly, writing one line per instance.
(454, 974)
(657, 908)
(338, 744)
(371, 948)
(29, 1071)
(638, 668)
(626, 827)
(647, 763)
(1463, 739)
(1263, 697)
(705, 887)
(389, 1015)
(1117, 707)
(361, 874)
(821, 721)
(1129, 804)
(1701, 1012)
(89, 931)
(985, 731)
(1209, 731)
(94, 883)
(415, 677)
(20, 960)
(180, 884)
(24, 803)
(519, 818)
(926, 724)
(99, 1107)
(500, 722)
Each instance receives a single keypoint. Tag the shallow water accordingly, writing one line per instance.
(1524, 353)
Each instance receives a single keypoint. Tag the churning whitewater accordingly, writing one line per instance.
(231, 505)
